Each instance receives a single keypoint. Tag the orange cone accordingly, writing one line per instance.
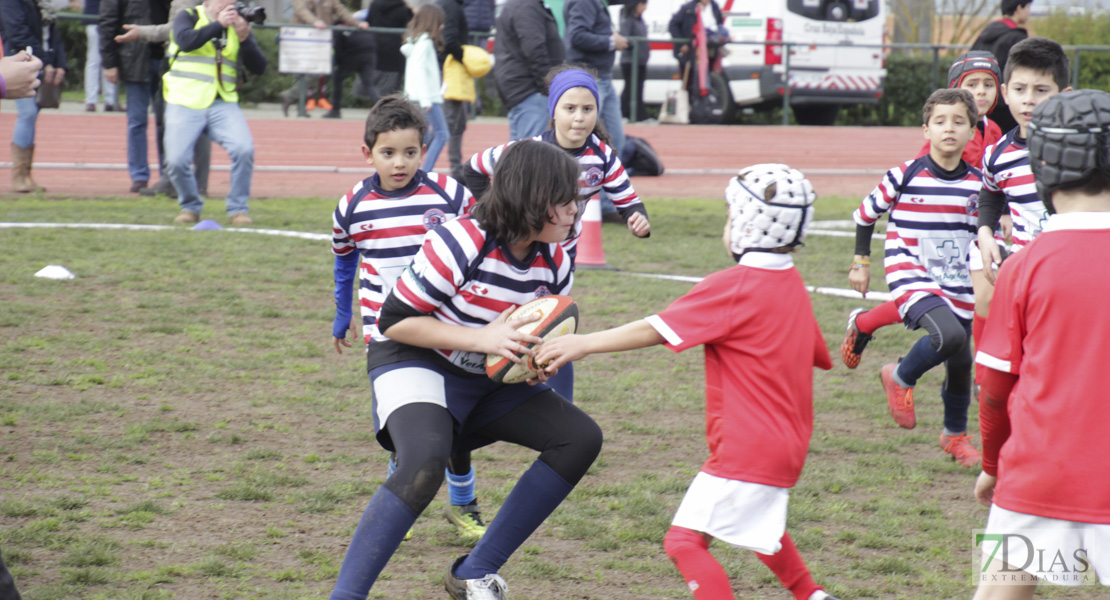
(590, 253)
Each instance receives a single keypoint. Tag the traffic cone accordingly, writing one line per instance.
(590, 253)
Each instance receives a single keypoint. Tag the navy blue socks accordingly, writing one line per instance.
(379, 533)
(537, 494)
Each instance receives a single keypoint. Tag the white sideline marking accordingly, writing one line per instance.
(827, 291)
(84, 166)
(320, 237)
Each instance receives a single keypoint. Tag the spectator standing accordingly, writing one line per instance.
(321, 14)
(202, 92)
(423, 41)
(95, 82)
(138, 67)
(30, 24)
(202, 155)
(355, 52)
(632, 26)
(997, 38)
(391, 63)
(591, 41)
(456, 33)
(691, 22)
(480, 16)
(528, 46)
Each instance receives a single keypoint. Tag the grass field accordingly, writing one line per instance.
(175, 424)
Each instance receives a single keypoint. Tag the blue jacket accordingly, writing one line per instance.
(588, 35)
(479, 14)
(21, 25)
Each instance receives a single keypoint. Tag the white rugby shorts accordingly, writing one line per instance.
(746, 515)
(1048, 537)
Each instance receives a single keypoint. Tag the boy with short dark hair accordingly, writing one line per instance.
(761, 345)
(1037, 70)
(931, 201)
(384, 219)
(1044, 441)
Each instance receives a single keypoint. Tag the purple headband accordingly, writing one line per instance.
(571, 78)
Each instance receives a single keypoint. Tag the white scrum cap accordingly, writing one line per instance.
(770, 206)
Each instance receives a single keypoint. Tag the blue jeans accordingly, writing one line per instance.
(610, 110)
(529, 118)
(437, 135)
(139, 94)
(228, 128)
(23, 135)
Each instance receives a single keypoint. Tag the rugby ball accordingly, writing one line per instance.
(558, 316)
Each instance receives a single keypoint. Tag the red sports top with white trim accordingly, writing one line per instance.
(761, 345)
(1049, 325)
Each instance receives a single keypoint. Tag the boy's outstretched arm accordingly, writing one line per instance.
(346, 267)
(630, 336)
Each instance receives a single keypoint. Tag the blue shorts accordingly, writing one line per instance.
(474, 401)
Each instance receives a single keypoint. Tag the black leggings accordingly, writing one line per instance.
(567, 439)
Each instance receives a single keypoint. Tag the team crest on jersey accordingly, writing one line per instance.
(434, 218)
(593, 176)
(972, 204)
(542, 291)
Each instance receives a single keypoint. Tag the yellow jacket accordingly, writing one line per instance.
(458, 79)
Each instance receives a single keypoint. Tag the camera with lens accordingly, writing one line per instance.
(250, 13)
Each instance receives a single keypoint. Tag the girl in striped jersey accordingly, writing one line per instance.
(575, 127)
(932, 203)
(448, 311)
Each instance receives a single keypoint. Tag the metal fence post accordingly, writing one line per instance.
(786, 83)
(1075, 70)
(633, 97)
(936, 64)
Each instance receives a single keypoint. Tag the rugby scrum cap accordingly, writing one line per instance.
(770, 206)
(1069, 141)
(976, 61)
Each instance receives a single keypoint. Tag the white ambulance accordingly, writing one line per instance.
(828, 70)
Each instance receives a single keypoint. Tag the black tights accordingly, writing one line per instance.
(567, 439)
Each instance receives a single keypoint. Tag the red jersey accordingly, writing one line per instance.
(761, 344)
(985, 136)
(1048, 325)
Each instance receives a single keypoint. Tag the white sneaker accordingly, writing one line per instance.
(490, 587)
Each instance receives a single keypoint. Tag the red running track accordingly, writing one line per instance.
(839, 160)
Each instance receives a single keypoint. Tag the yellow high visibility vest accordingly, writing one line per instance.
(191, 81)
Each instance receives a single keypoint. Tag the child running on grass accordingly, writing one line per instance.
(1043, 409)
(931, 201)
(762, 342)
(432, 397)
(383, 220)
(978, 73)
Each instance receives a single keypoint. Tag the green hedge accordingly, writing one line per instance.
(1089, 30)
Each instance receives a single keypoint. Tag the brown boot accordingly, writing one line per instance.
(21, 170)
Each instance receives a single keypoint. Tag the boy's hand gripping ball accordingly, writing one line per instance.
(558, 316)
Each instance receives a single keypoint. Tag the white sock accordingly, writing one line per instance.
(818, 595)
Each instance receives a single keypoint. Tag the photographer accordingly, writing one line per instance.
(208, 47)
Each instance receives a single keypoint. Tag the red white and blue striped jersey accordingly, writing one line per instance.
(464, 277)
(932, 221)
(387, 229)
(601, 169)
(1006, 169)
